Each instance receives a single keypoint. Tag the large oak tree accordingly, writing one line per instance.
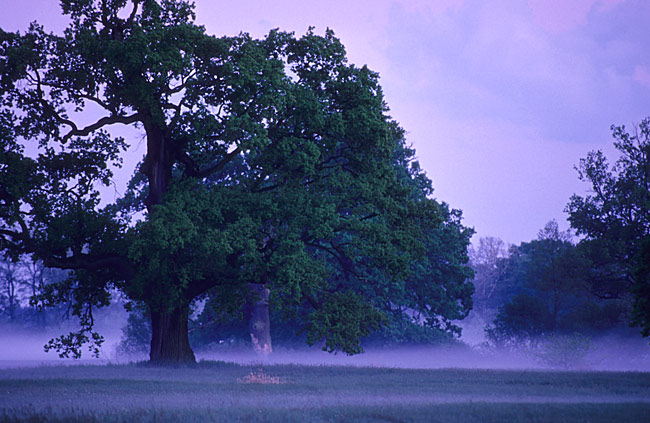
(267, 161)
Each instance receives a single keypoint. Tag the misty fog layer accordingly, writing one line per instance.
(610, 353)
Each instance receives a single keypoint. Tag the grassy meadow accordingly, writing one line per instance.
(222, 392)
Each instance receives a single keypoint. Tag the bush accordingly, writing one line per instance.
(564, 351)
(136, 335)
(520, 321)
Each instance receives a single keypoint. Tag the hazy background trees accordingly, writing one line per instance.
(589, 285)
(548, 292)
(20, 283)
(487, 258)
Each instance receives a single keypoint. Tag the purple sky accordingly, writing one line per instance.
(499, 98)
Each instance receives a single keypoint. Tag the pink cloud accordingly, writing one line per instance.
(430, 7)
(561, 15)
(642, 75)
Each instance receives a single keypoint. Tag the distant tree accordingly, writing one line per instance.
(556, 269)
(136, 335)
(267, 162)
(522, 320)
(615, 220)
(37, 278)
(488, 260)
(20, 282)
(36, 275)
(10, 284)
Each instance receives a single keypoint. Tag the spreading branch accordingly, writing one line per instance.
(75, 131)
(105, 121)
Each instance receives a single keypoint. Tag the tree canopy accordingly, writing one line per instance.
(418, 308)
(615, 219)
(269, 161)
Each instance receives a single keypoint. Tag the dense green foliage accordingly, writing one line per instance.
(615, 220)
(211, 392)
(267, 161)
(418, 308)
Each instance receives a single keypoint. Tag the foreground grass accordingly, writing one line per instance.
(216, 392)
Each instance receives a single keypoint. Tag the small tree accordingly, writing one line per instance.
(556, 269)
(519, 322)
(488, 260)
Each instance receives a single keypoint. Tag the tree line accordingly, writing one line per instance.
(590, 283)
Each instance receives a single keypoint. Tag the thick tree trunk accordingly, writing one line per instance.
(169, 338)
(157, 164)
(170, 343)
(259, 321)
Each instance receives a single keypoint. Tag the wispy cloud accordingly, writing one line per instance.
(557, 16)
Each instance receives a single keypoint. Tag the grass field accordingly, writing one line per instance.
(221, 392)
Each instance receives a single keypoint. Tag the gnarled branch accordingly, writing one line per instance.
(105, 121)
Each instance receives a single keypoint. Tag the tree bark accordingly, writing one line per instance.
(259, 320)
(170, 343)
(157, 164)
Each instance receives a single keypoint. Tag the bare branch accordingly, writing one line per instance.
(75, 131)
(81, 95)
(12, 234)
(105, 121)
(46, 105)
(95, 100)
